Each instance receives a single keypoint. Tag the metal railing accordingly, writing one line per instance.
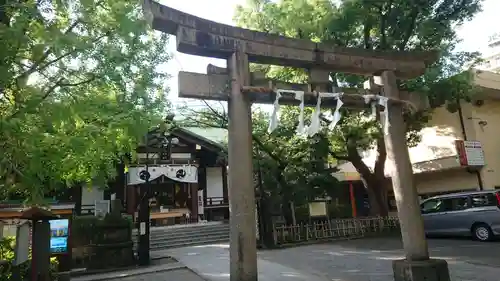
(333, 229)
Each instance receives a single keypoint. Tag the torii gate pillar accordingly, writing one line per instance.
(243, 246)
(417, 266)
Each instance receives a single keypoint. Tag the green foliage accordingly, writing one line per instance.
(80, 84)
(291, 168)
(7, 253)
(399, 25)
(298, 166)
(87, 230)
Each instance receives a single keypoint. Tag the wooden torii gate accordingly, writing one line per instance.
(240, 88)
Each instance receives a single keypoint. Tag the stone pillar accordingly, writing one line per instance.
(225, 191)
(417, 265)
(243, 248)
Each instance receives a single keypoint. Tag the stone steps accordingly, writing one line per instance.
(192, 242)
(183, 236)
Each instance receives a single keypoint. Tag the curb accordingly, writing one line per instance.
(129, 273)
(197, 272)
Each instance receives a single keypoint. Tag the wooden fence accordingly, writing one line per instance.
(333, 229)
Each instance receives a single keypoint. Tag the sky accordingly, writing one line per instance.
(474, 34)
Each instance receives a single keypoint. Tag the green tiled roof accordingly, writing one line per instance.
(216, 136)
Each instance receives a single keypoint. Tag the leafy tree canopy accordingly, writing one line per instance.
(379, 25)
(79, 84)
(290, 168)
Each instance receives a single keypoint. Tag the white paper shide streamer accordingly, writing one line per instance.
(315, 121)
(315, 118)
(336, 113)
(301, 129)
(373, 100)
(315, 125)
(384, 101)
(274, 120)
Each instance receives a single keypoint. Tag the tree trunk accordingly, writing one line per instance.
(373, 181)
(286, 207)
(377, 195)
(4, 17)
(292, 207)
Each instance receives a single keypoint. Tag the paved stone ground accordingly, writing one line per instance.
(355, 260)
(212, 263)
(173, 275)
(370, 259)
(161, 272)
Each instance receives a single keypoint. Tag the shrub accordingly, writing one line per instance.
(86, 230)
(102, 242)
(7, 248)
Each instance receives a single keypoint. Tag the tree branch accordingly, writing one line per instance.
(379, 167)
(357, 162)
(366, 34)
(46, 54)
(37, 67)
(384, 12)
(409, 31)
(338, 157)
(59, 83)
(222, 116)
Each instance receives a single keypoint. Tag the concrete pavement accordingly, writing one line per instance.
(367, 259)
(371, 259)
(212, 263)
(173, 275)
(155, 272)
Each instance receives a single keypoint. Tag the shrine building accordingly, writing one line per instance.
(188, 178)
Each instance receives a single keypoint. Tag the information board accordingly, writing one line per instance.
(470, 153)
(21, 250)
(59, 232)
(101, 208)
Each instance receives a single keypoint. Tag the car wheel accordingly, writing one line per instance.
(482, 232)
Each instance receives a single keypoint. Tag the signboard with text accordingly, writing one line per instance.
(101, 208)
(470, 153)
(22, 247)
(59, 233)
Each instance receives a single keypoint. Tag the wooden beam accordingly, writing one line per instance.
(215, 87)
(197, 36)
(175, 149)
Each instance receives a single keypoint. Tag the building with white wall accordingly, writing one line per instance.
(202, 195)
(492, 57)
